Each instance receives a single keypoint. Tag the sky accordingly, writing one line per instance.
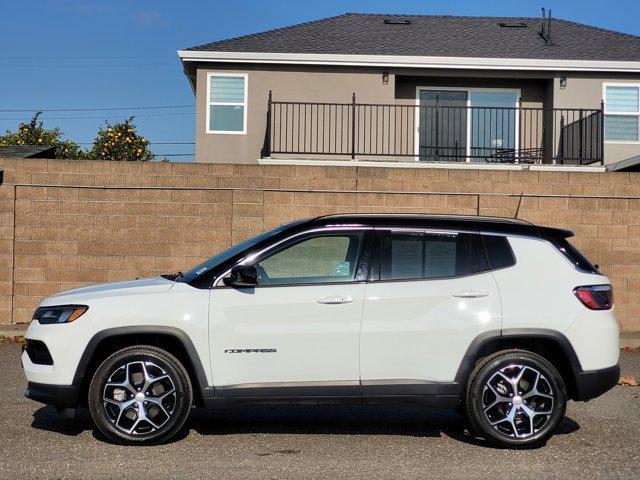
(120, 54)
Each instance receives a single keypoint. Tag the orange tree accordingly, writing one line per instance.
(120, 141)
(34, 133)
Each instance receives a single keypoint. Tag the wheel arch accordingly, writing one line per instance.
(550, 344)
(173, 340)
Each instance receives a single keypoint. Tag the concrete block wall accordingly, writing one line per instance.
(60, 228)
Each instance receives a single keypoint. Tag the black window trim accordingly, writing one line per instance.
(568, 257)
(375, 265)
(368, 269)
(361, 271)
(513, 254)
(550, 241)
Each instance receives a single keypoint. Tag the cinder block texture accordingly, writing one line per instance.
(60, 228)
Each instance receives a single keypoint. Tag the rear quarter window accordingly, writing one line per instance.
(499, 253)
(574, 256)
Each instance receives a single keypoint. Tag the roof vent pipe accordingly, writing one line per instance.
(545, 31)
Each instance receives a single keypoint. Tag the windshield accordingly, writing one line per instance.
(230, 253)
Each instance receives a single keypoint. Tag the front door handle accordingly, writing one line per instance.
(471, 294)
(335, 299)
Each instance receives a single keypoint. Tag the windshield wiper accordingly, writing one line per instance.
(174, 277)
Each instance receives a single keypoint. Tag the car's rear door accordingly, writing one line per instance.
(298, 331)
(430, 294)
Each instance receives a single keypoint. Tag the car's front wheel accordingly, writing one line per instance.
(515, 399)
(141, 395)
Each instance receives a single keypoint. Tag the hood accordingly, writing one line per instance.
(129, 287)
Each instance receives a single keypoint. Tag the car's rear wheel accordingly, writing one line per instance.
(140, 395)
(515, 399)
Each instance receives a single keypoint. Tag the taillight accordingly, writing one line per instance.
(595, 297)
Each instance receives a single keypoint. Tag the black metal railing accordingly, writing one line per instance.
(435, 132)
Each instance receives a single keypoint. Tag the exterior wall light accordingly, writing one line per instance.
(385, 78)
(563, 83)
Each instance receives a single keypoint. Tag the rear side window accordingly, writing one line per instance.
(499, 253)
(574, 255)
(424, 255)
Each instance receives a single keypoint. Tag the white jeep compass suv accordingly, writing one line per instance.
(498, 318)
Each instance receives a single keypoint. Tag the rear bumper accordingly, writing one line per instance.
(593, 383)
(60, 396)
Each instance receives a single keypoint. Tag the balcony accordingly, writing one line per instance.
(436, 132)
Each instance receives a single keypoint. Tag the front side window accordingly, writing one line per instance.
(622, 111)
(321, 258)
(424, 255)
(227, 103)
(199, 275)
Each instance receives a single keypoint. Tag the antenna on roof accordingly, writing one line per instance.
(545, 31)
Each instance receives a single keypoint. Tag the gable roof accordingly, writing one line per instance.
(437, 36)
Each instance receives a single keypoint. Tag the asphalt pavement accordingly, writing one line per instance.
(598, 439)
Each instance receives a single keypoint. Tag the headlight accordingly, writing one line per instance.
(60, 314)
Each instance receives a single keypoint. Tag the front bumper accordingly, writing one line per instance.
(60, 396)
(593, 383)
(64, 344)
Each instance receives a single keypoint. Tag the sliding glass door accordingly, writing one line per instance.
(493, 126)
(443, 125)
(467, 125)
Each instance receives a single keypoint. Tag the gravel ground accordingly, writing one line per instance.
(598, 439)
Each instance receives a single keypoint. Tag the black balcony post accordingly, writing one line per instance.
(353, 126)
(602, 132)
(522, 125)
(437, 126)
(562, 142)
(581, 133)
(267, 138)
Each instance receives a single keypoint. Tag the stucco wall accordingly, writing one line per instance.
(120, 220)
(286, 84)
(532, 91)
(586, 91)
(336, 84)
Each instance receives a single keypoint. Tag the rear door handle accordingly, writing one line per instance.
(471, 294)
(335, 299)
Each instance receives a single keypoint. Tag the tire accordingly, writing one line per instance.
(140, 395)
(524, 417)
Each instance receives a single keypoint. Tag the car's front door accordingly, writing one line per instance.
(430, 295)
(296, 332)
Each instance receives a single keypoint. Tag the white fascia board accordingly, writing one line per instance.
(408, 61)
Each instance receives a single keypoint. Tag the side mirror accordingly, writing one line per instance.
(242, 276)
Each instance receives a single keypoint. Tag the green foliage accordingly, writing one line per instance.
(121, 142)
(34, 133)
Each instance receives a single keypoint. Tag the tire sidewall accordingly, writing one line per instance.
(165, 361)
(475, 389)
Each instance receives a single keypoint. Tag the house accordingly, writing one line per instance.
(414, 88)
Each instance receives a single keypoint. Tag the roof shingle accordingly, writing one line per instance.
(439, 36)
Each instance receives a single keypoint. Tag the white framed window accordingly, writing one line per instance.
(227, 103)
(622, 112)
